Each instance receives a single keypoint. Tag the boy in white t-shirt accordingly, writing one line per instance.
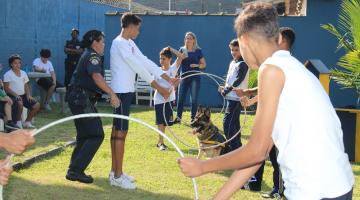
(16, 85)
(159, 100)
(44, 65)
(294, 113)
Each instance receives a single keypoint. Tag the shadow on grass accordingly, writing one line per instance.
(99, 190)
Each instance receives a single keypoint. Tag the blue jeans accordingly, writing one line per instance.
(231, 123)
(193, 84)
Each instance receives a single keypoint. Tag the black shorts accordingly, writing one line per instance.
(123, 109)
(27, 104)
(347, 196)
(159, 114)
(46, 83)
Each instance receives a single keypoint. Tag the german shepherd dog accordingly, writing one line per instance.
(207, 133)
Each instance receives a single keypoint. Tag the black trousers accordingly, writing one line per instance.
(276, 174)
(70, 67)
(90, 133)
(256, 185)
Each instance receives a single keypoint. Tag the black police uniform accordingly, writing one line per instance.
(71, 60)
(82, 96)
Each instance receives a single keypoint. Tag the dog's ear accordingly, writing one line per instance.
(207, 112)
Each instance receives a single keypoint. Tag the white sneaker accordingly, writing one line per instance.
(28, 125)
(47, 107)
(122, 182)
(130, 178)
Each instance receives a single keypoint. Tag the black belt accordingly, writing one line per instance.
(93, 96)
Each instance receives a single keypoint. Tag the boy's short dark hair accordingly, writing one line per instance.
(260, 18)
(45, 53)
(289, 34)
(234, 43)
(166, 52)
(91, 36)
(14, 57)
(129, 18)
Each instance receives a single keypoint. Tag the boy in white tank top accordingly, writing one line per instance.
(294, 113)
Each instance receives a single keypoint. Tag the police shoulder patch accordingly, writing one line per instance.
(95, 60)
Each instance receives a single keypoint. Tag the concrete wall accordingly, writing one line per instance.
(215, 32)
(28, 26)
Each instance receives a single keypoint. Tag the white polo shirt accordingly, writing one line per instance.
(48, 67)
(126, 60)
(16, 83)
(308, 134)
(171, 72)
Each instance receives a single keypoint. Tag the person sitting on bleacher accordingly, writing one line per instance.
(16, 85)
(44, 65)
(5, 109)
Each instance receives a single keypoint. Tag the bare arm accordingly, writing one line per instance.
(38, 69)
(8, 90)
(246, 92)
(28, 90)
(271, 82)
(235, 182)
(53, 76)
(202, 64)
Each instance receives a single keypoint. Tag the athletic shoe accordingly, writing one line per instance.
(130, 178)
(162, 147)
(47, 107)
(273, 194)
(28, 125)
(122, 182)
(19, 124)
(176, 121)
(11, 126)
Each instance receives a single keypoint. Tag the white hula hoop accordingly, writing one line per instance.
(196, 73)
(211, 76)
(37, 131)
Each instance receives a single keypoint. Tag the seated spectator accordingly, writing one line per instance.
(5, 109)
(16, 85)
(44, 65)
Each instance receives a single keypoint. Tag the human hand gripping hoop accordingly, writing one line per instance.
(37, 131)
(88, 115)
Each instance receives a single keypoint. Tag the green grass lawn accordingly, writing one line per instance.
(157, 173)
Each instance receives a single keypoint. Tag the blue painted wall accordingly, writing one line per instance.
(215, 32)
(28, 26)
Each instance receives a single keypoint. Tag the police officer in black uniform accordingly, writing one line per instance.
(73, 51)
(87, 84)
